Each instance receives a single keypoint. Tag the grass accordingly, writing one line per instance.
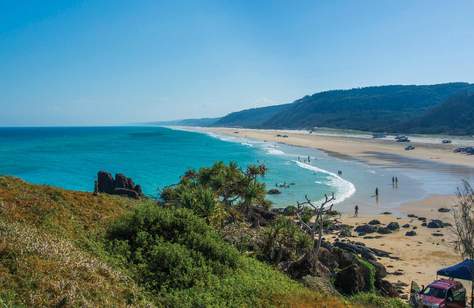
(55, 251)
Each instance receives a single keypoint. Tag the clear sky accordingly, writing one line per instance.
(109, 62)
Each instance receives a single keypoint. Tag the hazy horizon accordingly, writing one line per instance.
(108, 63)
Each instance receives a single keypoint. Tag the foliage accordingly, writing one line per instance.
(218, 192)
(370, 270)
(171, 248)
(392, 108)
(283, 241)
(52, 254)
(463, 214)
(374, 300)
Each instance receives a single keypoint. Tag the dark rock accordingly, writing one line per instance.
(274, 191)
(386, 288)
(437, 234)
(406, 226)
(365, 229)
(422, 218)
(424, 224)
(374, 222)
(386, 213)
(410, 233)
(435, 224)
(126, 193)
(306, 266)
(393, 226)
(384, 230)
(380, 271)
(105, 182)
(412, 216)
(121, 185)
(443, 210)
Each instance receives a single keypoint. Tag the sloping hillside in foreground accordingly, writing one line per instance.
(57, 249)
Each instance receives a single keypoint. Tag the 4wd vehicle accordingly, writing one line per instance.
(440, 293)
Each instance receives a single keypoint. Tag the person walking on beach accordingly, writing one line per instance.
(396, 181)
(376, 192)
(356, 211)
(393, 181)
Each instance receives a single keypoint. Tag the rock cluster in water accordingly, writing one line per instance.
(120, 185)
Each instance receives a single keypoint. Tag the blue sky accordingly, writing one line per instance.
(110, 62)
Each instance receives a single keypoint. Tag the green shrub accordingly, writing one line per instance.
(170, 248)
(374, 300)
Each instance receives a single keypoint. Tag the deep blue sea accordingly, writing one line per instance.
(155, 157)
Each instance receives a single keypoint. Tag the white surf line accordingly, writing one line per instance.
(348, 189)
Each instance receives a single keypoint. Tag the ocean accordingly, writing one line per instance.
(155, 157)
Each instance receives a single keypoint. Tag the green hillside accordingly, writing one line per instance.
(384, 108)
(455, 116)
(61, 248)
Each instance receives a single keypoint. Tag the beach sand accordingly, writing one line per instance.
(372, 151)
(419, 256)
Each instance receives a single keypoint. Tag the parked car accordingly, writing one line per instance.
(446, 141)
(402, 138)
(442, 293)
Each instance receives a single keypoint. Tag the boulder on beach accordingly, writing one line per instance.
(364, 229)
(374, 222)
(393, 226)
(406, 226)
(435, 224)
(410, 233)
(443, 210)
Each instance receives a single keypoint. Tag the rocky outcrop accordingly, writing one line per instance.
(120, 185)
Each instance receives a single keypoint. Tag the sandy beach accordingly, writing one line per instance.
(417, 258)
(420, 256)
(372, 151)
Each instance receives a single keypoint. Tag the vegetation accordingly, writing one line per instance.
(64, 248)
(392, 108)
(463, 213)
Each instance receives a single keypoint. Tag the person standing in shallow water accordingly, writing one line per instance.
(376, 191)
(356, 210)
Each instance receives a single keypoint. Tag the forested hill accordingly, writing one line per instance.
(436, 109)
(454, 116)
(372, 109)
(384, 108)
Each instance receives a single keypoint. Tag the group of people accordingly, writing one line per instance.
(376, 195)
(394, 181)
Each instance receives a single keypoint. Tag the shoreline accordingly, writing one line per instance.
(417, 257)
(371, 151)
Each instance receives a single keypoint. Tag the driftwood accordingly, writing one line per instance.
(319, 211)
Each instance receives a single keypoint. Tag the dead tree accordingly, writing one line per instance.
(319, 212)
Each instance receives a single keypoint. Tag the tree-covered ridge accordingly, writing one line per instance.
(454, 116)
(393, 108)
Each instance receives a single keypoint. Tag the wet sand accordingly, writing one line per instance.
(372, 151)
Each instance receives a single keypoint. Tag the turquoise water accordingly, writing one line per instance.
(156, 157)
(153, 156)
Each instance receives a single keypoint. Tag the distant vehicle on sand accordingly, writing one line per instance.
(409, 148)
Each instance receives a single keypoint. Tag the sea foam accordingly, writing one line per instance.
(345, 189)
